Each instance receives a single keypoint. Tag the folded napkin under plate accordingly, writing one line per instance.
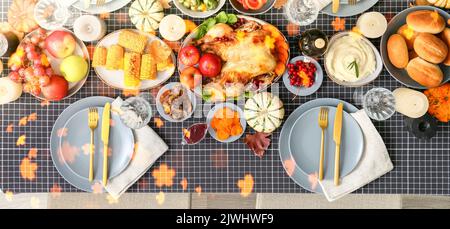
(374, 163)
(324, 3)
(150, 147)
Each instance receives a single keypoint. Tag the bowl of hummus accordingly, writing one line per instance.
(352, 60)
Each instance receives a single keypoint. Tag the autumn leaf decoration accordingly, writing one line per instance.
(258, 143)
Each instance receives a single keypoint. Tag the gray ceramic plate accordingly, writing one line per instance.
(346, 10)
(121, 143)
(303, 91)
(232, 106)
(305, 145)
(292, 170)
(400, 74)
(63, 168)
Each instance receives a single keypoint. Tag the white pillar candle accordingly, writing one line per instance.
(89, 28)
(372, 24)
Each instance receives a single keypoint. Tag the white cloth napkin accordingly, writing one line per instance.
(324, 3)
(374, 163)
(149, 148)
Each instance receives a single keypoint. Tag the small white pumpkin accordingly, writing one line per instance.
(146, 14)
(264, 112)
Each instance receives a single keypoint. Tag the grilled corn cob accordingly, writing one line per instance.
(133, 41)
(99, 59)
(132, 67)
(114, 58)
(148, 67)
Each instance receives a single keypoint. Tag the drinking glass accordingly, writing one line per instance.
(301, 12)
(136, 112)
(379, 103)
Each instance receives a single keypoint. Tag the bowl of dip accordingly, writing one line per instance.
(352, 60)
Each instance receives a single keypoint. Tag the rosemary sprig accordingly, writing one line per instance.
(354, 65)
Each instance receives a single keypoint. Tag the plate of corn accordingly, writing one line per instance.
(129, 59)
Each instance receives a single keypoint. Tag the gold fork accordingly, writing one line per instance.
(92, 122)
(100, 2)
(352, 2)
(323, 124)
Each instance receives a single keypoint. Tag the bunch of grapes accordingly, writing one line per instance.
(30, 65)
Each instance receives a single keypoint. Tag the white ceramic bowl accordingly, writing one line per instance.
(198, 14)
(233, 107)
(364, 81)
(160, 108)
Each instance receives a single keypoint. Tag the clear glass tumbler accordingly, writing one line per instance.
(301, 12)
(379, 103)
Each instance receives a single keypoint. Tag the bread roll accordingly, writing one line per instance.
(426, 21)
(409, 35)
(430, 48)
(445, 36)
(398, 51)
(425, 73)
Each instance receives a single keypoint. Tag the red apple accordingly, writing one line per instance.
(190, 77)
(210, 65)
(189, 55)
(56, 89)
(60, 44)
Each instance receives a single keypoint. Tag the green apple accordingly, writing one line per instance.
(74, 68)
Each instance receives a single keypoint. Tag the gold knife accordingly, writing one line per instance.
(105, 138)
(337, 139)
(336, 4)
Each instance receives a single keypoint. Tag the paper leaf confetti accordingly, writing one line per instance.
(184, 184)
(55, 191)
(158, 122)
(23, 121)
(97, 188)
(32, 117)
(160, 198)
(246, 185)
(292, 29)
(28, 169)
(21, 140)
(62, 132)
(198, 190)
(163, 176)
(258, 143)
(9, 128)
(111, 199)
(45, 103)
(32, 153)
(9, 195)
(67, 152)
(313, 180)
(279, 4)
(338, 24)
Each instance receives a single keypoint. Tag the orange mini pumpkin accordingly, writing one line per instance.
(439, 100)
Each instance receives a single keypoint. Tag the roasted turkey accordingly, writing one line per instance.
(243, 51)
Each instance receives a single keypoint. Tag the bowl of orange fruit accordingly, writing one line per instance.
(226, 122)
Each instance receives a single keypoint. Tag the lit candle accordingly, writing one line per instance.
(89, 28)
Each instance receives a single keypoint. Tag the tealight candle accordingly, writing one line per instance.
(89, 28)
(372, 24)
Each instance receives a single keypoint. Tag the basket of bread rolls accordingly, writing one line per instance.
(416, 47)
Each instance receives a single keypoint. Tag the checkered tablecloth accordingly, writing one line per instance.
(420, 167)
